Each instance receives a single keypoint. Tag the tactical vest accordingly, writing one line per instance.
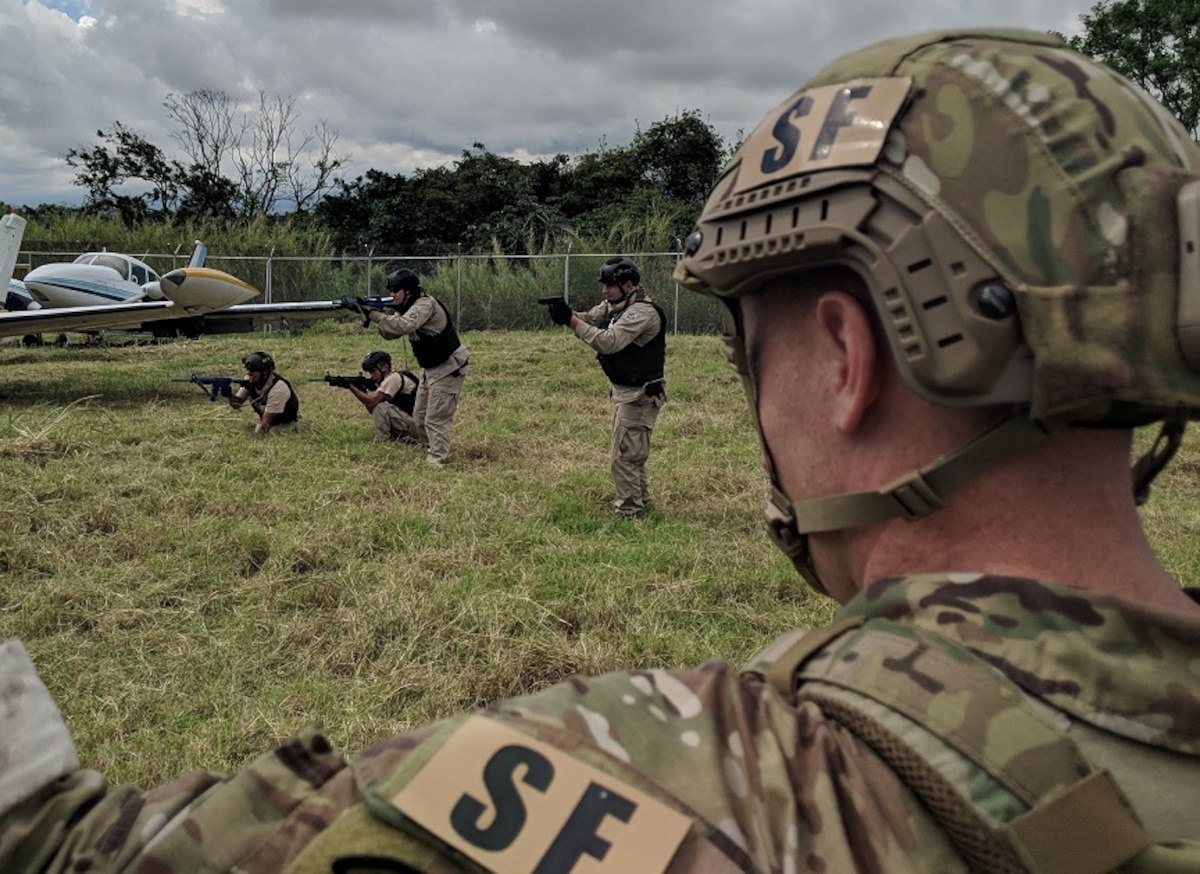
(291, 410)
(636, 365)
(406, 400)
(434, 349)
(1057, 810)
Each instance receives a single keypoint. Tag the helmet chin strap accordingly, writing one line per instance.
(911, 496)
(920, 492)
(623, 303)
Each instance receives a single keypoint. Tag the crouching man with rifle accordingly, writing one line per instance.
(387, 394)
(270, 395)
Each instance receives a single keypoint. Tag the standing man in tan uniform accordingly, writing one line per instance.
(628, 331)
(442, 356)
(945, 398)
(270, 395)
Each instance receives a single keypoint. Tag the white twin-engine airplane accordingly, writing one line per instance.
(103, 290)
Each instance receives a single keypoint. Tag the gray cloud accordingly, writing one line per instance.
(414, 83)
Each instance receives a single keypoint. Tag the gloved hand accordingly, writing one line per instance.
(364, 310)
(560, 312)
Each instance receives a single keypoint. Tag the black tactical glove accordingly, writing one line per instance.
(560, 312)
(364, 310)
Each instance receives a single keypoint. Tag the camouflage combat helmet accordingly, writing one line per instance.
(1025, 221)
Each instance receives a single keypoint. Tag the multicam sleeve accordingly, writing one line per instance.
(255, 819)
(56, 818)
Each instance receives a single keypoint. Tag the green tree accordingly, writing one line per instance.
(1155, 43)
(363, 210)
(647, 191)
(679, 157)
(482, 201)
(272, 165)
(126, 158)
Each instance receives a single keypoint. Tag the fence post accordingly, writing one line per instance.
(458, 313)
(678, 258)
(567, 274)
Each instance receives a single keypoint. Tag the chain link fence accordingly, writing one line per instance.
(483, 292)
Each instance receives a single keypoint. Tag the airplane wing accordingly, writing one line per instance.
(243, 318)
(162, 319)
(247, 316)
(93, 318)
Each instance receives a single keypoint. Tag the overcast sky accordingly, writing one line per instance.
(412, 83)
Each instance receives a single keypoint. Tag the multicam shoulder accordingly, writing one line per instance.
(201, 823)
(757, 784)
(1114, 663)
(1003, 779)
(774, 786)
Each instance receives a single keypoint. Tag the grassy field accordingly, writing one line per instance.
(192, 594)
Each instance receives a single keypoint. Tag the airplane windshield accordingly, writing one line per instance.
(142, 274)
(103, 259)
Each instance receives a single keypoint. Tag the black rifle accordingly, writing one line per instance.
(364, 304)
(215, 386)
(362, 383)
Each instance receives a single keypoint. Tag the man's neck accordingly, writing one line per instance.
(1061, 513)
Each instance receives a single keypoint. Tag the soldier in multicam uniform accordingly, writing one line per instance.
(972, 257)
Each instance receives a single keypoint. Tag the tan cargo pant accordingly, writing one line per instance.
(392, 423)
(434, 411)
(632, 423)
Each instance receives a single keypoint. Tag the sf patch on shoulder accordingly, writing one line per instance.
(512, 804)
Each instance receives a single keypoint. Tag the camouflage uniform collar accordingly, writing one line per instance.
(1121, 666)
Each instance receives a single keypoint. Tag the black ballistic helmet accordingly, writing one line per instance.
(616, 271)
(258, 362)
(374, 359)
(404, 279)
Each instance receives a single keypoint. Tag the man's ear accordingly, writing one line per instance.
(846, 326)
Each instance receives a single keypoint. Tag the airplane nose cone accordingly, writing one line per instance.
(205, 289)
